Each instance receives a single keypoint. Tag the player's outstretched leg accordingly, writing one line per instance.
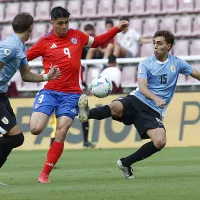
(83, 108)
(158, 137)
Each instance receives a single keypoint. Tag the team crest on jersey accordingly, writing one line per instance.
(74, 41)
(7, 52)
(173, 69)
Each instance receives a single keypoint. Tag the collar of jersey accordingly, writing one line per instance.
(159, 62)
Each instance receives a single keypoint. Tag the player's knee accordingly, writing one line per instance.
(36, 130)
(160, 142)
(16, 141)
(116, 108)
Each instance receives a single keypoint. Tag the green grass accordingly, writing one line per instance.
(172, 174)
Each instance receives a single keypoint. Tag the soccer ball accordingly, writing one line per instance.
(101, 87)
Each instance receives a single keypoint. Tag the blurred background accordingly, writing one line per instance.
(96, 17)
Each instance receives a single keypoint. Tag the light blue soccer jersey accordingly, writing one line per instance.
(13, 55)
(162, 78)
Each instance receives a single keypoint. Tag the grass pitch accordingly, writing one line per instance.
(172, 174)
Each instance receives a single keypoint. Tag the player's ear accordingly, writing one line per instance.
(51, 22)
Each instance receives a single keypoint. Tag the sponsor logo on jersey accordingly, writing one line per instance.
(7, 52)
(74, 41)
(53, 46)
(5, 120)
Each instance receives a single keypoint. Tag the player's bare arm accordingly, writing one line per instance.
(196, 74)
(29, 76)
(1, 65)
(143, 86)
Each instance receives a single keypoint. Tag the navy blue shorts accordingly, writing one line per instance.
(64, 104)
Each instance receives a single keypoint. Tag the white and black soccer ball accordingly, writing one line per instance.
(101, 87)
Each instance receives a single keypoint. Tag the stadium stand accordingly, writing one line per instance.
(146, 16)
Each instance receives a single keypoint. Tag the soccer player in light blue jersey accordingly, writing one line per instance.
(13, 58)
(145, 107)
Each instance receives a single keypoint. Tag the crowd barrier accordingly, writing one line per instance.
(182, 122)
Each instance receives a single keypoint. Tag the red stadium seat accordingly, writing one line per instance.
(184, 26)
(11, 10)
(146, 50)
(181, 48)
(195, 47)
(6, 30)
(17, 79)
(105, 8)
(191, 80)
(129, 76)
(196, 26)
(2, 8)
(185, 5)
(169, 6)
(74, 7)
(100, 27)
(197, 6)
(39, 30)
(28, 7)
(181, 79)
(168, 23)
(74, 25)
(89, 8)
(58, 3)
(137, 7)
(42, 10)
(150, 27)
(121, 7)
(136, 23)
(153, 6)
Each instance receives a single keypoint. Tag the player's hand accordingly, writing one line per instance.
(123, 25)
(160, 102)
(53, 73)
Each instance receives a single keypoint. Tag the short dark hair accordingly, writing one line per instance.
(59, 12)
(88, 27)
(169, 37)
(22, 22)
(109, 21)
(112, 59)
(124, 18)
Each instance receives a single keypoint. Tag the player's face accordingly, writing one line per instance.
(161, 48)
(90, 32)
(61, 26)
(108, 27)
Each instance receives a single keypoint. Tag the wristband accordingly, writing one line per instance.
(45, 77)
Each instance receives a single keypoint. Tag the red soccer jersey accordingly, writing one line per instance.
(64, 53)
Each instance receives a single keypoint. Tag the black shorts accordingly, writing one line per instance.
(7, 116)
(138, 113)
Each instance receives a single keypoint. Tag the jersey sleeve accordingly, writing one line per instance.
(36, 50)
(143, 72)
(7, 51)
(24, 62)
(136, 35)
(185, 68)
(85, 39)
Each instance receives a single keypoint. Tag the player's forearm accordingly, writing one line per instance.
(147, 93)
(102, 39)
(32, 77)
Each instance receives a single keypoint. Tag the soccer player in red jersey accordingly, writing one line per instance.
(62, 47)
